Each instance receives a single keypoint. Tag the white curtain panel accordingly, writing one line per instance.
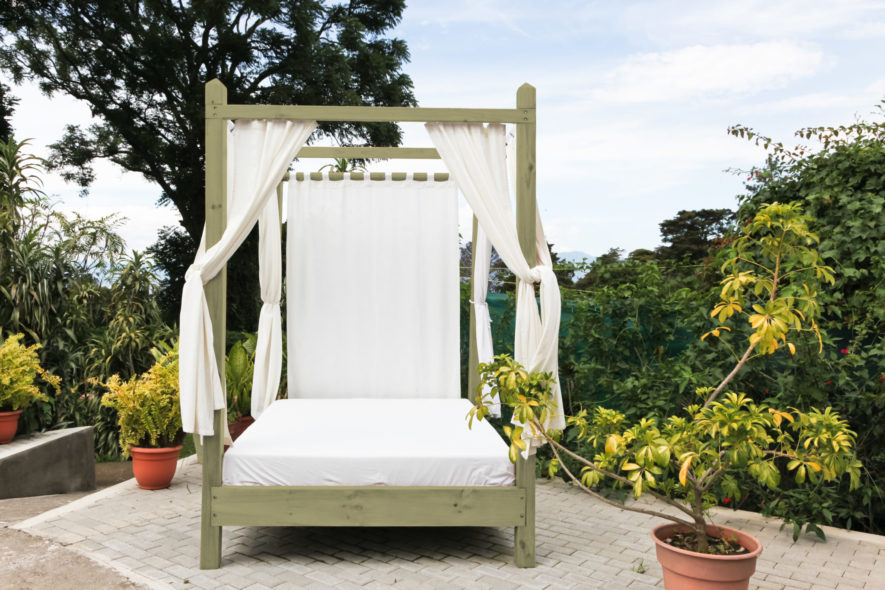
(269, 349)
(372, 289)
(475, 154)
(259, 153)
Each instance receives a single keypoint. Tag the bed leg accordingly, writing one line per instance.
(210, 535)
(524, 536)
(210, 547)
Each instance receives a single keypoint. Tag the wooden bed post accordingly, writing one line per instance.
(216, 298)
(473, 350)
(526, 212)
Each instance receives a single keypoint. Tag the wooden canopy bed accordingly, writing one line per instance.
(358, 505)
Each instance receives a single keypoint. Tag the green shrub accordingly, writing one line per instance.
(19, 369)
(147, 406)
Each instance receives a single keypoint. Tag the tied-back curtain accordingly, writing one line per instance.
(372, 289)
(259, 153)
(475, 153)
(485, 350)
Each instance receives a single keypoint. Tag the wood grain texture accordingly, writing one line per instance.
(524, 536)
(374, 153)
(526, 210)
(216, 295)
(473, 350)
(526, 204)
(368, 506)
(368, 114)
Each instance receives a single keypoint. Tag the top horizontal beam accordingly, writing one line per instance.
(368, 114)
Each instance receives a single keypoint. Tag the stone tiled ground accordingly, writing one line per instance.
(153, 538)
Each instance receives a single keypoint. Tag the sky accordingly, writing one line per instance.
(634, 99)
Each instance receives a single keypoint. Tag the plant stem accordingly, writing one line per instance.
(700, 525)
(554, 445)
(730, 376)
(599, 496)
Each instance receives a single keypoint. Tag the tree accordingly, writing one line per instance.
(7, 107)
(692, 233)
(141, 67)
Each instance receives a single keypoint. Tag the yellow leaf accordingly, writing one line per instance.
(611, 445)
(792, 347)
(683, 472)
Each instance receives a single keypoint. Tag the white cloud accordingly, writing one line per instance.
(676, 21)
(825, 107)
(705, 72)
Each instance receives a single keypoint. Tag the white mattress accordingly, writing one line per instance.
(367, 442)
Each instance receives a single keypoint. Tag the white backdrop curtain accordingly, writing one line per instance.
(259, 153)
(475, 154)
(372, 289)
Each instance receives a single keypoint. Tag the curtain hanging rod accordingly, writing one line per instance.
(436, 176)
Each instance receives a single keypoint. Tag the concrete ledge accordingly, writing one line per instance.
(54, 462)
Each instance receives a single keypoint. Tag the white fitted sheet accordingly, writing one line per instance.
(368, 442)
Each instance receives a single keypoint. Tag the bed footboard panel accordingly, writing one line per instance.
(368, 506)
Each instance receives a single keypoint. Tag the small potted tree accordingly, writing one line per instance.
(149, 418)
(19, 370)
(689, 458)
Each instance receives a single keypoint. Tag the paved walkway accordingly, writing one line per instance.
(152, 538)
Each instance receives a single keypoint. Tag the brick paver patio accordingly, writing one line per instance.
(153, 538)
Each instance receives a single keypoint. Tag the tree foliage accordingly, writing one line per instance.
(141, 67)
(691, 234)
(7, 107)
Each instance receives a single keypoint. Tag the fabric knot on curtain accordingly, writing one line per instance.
(476, 155)
(259, 154)
(193, 270)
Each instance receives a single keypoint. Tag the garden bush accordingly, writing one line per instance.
(68, 284)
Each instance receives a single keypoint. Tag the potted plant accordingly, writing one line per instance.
(19, 369)
(691, 460)
(240, 366)
(149, 418)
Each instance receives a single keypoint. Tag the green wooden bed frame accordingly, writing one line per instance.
(371, 505)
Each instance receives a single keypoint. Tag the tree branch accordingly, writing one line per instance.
(614, 476)
(730, 376)
(611, 502)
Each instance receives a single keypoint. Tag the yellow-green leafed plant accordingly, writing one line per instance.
(148, 410)
(19, 369)
(695, 458)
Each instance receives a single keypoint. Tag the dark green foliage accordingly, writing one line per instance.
(7, 107)
(842, 186)
(691, 234)
(141, 67)
(630, 340)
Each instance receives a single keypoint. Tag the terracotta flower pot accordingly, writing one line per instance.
(687, 570)
(153, 468)
(8, 425)
(239, 426)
